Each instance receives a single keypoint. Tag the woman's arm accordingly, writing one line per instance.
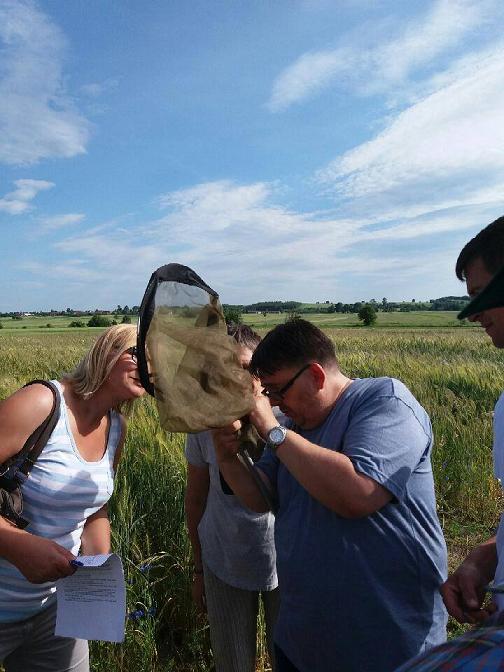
(95, 538)
(198, 482)
(38, 559)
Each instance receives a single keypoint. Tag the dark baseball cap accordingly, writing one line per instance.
(491, 296)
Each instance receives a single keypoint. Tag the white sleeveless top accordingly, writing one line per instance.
(60, 494)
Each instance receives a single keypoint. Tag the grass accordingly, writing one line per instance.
(420, 319)
(454, 372)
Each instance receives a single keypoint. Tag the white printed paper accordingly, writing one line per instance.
(91, 603)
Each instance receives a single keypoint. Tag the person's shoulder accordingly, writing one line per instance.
(199, 443)
(202, 438)
(390, 395)
(407, 400)
(21, 414)
(385, 388)
(373, 387)
(36, 398)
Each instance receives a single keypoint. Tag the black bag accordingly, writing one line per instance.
(15, 471)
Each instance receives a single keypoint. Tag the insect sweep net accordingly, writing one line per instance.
(186, 360)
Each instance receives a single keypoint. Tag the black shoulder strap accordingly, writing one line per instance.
(35, 443)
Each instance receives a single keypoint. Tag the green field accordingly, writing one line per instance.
(455, 373)
(412, 320)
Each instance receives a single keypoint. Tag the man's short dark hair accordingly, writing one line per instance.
(294, 343)
(488, 244)
(243, 335)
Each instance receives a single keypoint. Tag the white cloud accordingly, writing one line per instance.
(442, 28)
(18, 201)
(248, 246)
(73, 270)
(215, 205)
(97, 89)
(308, 74)
(210, 211)
(59, 221)
(387, 64)
(450, 145)
(228, 233)
(37, 119)
(431, 225)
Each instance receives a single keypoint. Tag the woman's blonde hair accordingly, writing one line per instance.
(95, 367)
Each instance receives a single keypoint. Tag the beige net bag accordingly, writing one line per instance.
(186, 359)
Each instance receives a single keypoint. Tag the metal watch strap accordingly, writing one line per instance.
(274, 444)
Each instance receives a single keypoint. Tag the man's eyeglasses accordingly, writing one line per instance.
(133, 353)
(279, 394)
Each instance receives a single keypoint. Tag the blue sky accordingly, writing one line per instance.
(296, 150)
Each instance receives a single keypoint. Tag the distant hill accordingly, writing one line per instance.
(455, 303)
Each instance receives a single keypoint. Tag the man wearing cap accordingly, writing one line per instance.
(481, 265)
(360, 552)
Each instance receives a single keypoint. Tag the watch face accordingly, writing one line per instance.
(277, 435)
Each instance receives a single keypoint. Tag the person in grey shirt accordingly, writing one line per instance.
(233, 549)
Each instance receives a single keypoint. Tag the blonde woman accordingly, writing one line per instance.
(65, 497)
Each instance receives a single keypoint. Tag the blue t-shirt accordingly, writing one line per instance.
(361, 595)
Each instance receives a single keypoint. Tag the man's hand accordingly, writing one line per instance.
(41, 560)
(237, 475)
(464, 592)
(226, 442)
(262, 416)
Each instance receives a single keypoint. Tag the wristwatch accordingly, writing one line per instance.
(276, 437)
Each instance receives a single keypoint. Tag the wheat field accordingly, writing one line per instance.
(455, 373)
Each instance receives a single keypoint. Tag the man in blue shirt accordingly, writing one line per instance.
(360, 552)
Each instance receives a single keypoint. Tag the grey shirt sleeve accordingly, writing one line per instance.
(195, 451)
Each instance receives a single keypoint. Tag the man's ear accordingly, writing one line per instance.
(318, 375)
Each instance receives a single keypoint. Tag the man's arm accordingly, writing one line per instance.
(464, 591)
(237, 476)
(330, 477)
